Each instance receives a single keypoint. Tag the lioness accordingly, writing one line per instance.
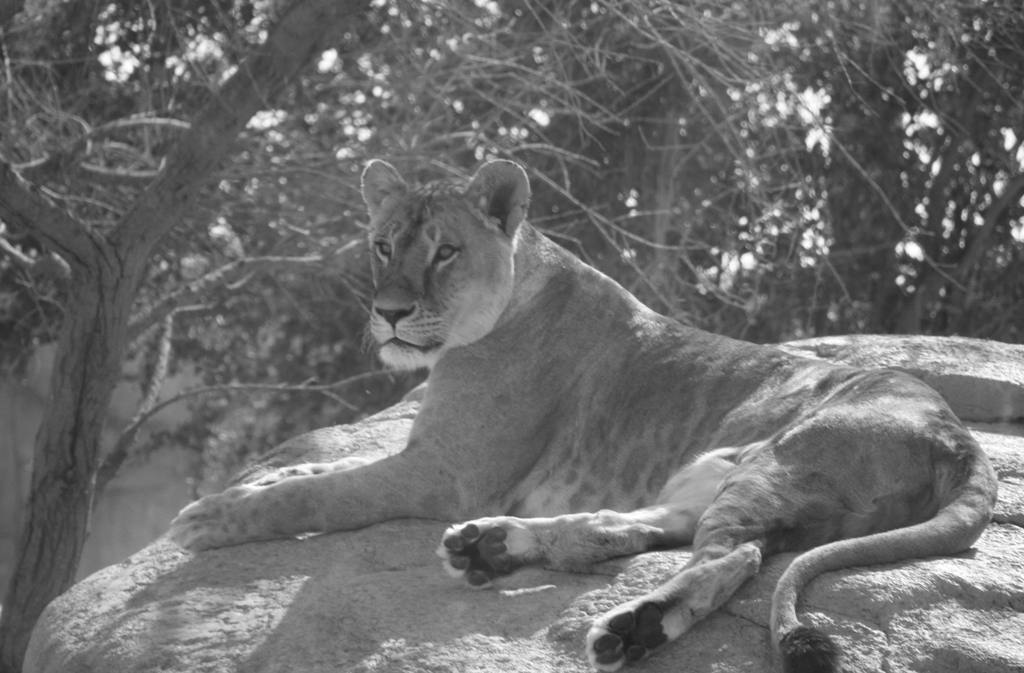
(583, 426)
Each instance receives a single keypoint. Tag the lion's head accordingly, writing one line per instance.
(442, 258)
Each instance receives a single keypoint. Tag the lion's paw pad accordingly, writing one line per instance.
(627, 636)
(477, 554)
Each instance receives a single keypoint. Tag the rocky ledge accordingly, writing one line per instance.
(377, 600)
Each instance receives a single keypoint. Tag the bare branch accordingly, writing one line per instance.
(226, 274)
(16, 255)
(40, 169)
(136, 121)
(301, 33)
(49, 265)
(120, 452)
(932, 264)
(979, 243)
(26, 208)
(113, 461)
(117, 176)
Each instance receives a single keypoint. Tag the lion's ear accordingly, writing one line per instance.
(381, 182)
(502, 190)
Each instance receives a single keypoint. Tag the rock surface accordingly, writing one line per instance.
(377, 600)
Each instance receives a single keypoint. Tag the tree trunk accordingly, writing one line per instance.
(56, 518)
(106, 272)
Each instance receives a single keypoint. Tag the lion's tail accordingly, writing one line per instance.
(954, 528)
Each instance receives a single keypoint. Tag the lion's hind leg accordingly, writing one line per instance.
(719, 565)
(633, 630)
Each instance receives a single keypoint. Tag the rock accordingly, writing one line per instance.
(982, 380)
(377, 600)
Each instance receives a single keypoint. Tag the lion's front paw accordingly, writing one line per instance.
(212, 521)
(480, 551)
(627, 633)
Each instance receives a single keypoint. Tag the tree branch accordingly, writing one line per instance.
(108, 469)
(167, 304)
(978, 243)
(300, 34)
(42, 168)
(15, 255)
(877, 188)
(48, 265)
(116, 176)
(24, 207)
(112, 463)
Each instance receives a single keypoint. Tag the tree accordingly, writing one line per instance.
(759, 170)
(107, 269)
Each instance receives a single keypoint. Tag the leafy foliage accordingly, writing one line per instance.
(763, 170)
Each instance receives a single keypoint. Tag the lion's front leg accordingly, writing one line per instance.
(317, 498)
(223, 519)
(307, 469)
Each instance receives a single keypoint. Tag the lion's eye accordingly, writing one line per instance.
(445, 252)
(383, 249)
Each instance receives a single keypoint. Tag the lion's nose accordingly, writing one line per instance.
(393, 315)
